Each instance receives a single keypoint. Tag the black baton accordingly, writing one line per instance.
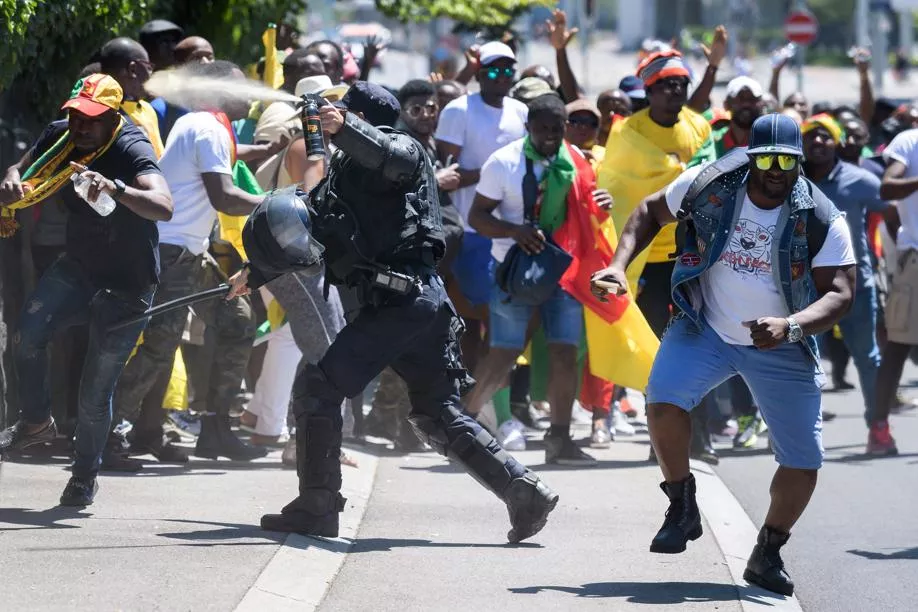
(181, 302)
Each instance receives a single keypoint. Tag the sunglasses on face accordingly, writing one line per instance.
(766, 162)
(495, 73)
(590, 122)
(416, 110)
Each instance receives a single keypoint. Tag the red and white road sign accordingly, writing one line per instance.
(801, 27)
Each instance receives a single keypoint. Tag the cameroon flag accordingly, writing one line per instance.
(620, 343)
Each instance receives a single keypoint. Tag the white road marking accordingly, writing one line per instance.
(300, 573)
(736, 535)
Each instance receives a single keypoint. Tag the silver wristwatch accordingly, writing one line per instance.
(794, 331)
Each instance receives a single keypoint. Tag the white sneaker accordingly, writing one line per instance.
(510, 435)
(620, 424)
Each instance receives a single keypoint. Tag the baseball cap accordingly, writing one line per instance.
(159, 26)
(493, 51)
(580, 105)
(633, 86)
(379, 107)
(775, 133)
(94, 95)
(740, 83)
(529, 89)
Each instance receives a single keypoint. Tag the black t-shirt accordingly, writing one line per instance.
(120, 251)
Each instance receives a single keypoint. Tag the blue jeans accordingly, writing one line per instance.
(65, 297)
(693, 359)
(859, 332)
(561, 318)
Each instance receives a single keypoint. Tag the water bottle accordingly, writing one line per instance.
(312, 129)
(104, 204)
(784, 54)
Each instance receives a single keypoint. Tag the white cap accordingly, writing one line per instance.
(740, 83)
(492, 51)
(312, 85)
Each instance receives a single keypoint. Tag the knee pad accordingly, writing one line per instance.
(314, 394)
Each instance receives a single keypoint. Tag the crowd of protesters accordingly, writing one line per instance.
(514, 149)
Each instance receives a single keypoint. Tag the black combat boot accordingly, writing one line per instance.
(218, 440)
(315, 510)
(765, 567)
(115, 454)
(529, 501)
(683, 520)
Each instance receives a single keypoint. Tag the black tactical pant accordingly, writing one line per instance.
(414, 335)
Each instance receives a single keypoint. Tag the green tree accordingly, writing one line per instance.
(470, 12)
(47, 42)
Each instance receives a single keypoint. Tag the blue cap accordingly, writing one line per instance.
(379, 107)
(633, 86)
(775, 133)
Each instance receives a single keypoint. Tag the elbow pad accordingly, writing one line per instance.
(394, 154)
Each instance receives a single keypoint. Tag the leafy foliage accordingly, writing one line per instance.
(475, 13)
(47, 42)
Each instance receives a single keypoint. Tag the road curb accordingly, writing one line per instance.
(735, 534)
(302, 570)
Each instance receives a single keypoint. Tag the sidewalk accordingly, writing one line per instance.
(431, 539)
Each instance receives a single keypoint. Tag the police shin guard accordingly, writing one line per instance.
(528, 499)
(318, 440)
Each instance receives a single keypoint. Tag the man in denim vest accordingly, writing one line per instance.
(767, 265)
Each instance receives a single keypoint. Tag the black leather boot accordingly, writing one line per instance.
(683, 520)
(218, 440)
(765, 567)
(315, 510)
(529, 501)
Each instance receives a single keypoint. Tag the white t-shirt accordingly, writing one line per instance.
(904, 148)
(740, 286)
(480, 130)
(502, 179)
(198, 143)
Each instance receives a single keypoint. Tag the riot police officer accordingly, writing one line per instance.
(375, 221)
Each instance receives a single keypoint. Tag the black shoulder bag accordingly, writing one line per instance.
(531, 279)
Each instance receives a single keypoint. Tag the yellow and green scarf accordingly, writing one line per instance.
(556, 182)
(47, 175)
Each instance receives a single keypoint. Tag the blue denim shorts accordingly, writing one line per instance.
(693, 359)
(471, 268)
(561, 318)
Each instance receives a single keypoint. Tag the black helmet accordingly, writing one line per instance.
(278, 234)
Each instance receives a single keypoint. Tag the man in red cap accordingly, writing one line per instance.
(108, 273)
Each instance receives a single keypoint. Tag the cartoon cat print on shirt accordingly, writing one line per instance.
(749, 250)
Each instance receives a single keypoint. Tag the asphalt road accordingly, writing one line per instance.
(856, 547)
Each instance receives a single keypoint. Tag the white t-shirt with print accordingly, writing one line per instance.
(904, 148)
(740, 286)
(502, 180)
(198, 143)
(480, 130)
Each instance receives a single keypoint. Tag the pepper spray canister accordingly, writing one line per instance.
(312, 129)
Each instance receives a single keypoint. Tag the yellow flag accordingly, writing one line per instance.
(634, 168)
(274, 72)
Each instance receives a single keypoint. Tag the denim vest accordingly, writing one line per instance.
(710, 220)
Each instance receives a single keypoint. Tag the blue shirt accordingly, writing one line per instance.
(855, 192)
